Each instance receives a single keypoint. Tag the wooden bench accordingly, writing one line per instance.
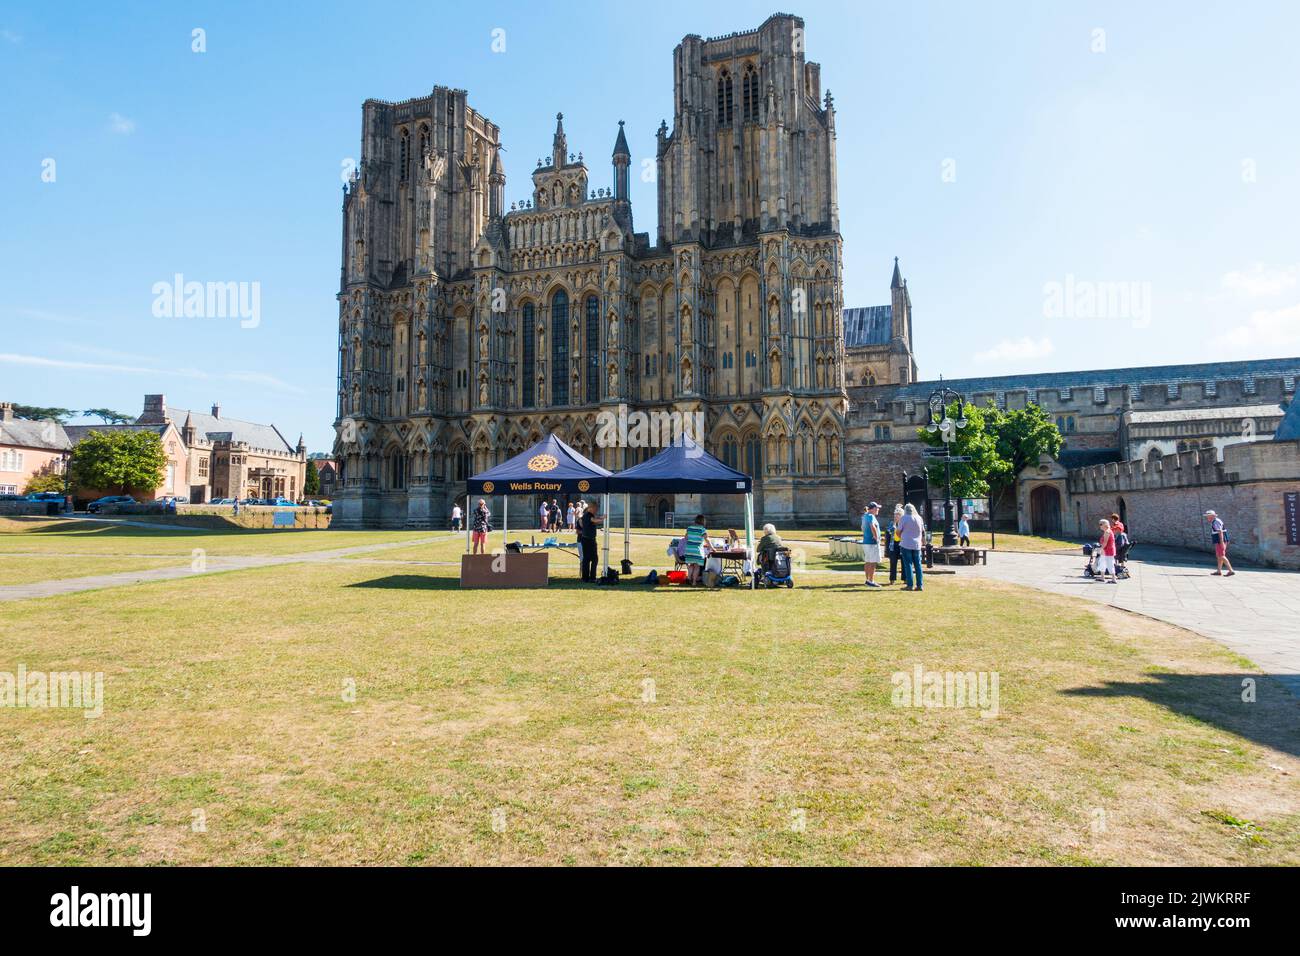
(961, 556)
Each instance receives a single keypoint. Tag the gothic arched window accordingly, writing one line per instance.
(560, 348)
(724, 98)
(593, 349)
(749, 91)
(406, 153)
(529, 332)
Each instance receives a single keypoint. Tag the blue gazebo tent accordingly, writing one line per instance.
(550, 467)
(684, 467)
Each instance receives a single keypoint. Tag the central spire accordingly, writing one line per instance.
(560, 147)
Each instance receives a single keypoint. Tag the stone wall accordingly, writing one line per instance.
(1165, 500)
(875, 471)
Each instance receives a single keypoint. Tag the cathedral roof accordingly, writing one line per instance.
(867, 326)
(1094, 378)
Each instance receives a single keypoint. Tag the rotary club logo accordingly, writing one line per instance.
(543, 463)
(584, 485)
(488, 487)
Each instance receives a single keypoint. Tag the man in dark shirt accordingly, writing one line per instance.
(591, 520)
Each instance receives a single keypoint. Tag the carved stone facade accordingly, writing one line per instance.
(468, 330)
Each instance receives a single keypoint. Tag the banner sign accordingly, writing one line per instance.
(1291, 510)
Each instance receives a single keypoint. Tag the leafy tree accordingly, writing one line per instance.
(1022, 435)
(311, 483)
(36, 413)
(109, 417)
(122, 460)
(44, 481)
(977, 441)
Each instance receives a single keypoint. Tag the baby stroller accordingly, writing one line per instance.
(774, 569)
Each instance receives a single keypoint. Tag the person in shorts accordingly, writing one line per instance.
(1219, 535)
(870, 543)
(480, 528)
(455, 517)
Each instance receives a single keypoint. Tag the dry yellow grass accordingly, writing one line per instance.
(519, 727)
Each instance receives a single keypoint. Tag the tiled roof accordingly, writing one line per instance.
(209, 426)
(867, 326)
(34, 434)
(1092, 378)
(77, 432)
(1212, 413)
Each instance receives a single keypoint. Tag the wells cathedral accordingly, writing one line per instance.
(469, 327)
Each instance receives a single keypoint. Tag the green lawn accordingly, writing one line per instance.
(29, 568)
(624, 725)
(64, 536)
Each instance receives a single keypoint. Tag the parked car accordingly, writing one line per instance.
(45, 496)
(95, 506)
(279, 502)
(222, 501)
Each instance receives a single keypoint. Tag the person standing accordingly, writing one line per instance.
(892, 546)
(1219, 535)
(571, 517)
(591, 520)
(963, 531)
(456, 517)
(543, 515)
(870, 543)
(911, 532)
(1106, 545)
(480, 528)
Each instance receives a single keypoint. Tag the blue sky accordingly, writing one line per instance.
(996, 148)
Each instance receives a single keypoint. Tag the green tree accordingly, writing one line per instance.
(127, 461)
(44, 481)
(1022, 435)
(970, 479)
(108, 416)
(311, 483)
(36, 413)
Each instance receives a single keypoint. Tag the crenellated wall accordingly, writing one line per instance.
(1164, 500)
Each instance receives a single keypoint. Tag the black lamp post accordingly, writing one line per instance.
(946, 427)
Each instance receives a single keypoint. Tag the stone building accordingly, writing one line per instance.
(1104, 415)
(468, 329)
(470, 326)
(28, 448)
(230, 458)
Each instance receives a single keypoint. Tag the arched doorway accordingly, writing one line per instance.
(1123, 513)
(1045, 510)
(656, 509)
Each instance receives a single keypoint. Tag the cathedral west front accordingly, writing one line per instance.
(469, 327)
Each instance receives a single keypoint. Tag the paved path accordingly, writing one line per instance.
(1256, 612)
(18, 592)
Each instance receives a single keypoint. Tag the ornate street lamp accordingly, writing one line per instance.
(943, 425)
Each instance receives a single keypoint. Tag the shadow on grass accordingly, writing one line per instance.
(421, 582)
(1272, 719)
